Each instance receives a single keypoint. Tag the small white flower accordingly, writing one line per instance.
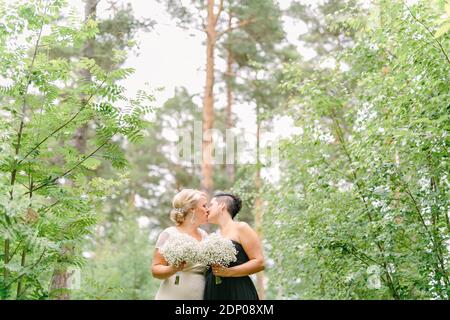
(180, 248)
(344, 186)
(391, 268)
(217, 250)
(377, 203)
(424, 183)
(374, 282)
(381, 190)
(364, 116)
(313, 171)
(88, 254)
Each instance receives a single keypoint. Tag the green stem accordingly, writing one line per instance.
(5, 260)
(6, 257)
(15, 251)
(61, 126)
(22, 264)
(29, 268)
(389, 279)
(430, 32)
(45, 209)
(24, 252)
(436, 246)
(71, 169)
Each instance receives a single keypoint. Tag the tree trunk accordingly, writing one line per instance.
(90, 11)
(208, 102)
(229, 80)
(258, 202)
(60, 278)
(60, 283)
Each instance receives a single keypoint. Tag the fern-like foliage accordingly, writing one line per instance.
(48, 198)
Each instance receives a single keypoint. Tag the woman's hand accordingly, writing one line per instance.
(221, 271)
(179, 267)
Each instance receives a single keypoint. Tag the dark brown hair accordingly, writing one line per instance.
(232, 202)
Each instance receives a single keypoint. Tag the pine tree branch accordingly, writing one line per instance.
(219, 11)
(204, 29)
(241, 24)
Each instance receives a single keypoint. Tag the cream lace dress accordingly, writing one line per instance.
(192, 278)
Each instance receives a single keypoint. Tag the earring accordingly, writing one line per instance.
(193, 217)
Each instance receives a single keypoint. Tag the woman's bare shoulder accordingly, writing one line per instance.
(242, 225)
(245, 230)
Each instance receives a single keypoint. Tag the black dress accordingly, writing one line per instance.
(231, 288)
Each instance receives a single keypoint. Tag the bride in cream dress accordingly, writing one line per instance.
(189, 212)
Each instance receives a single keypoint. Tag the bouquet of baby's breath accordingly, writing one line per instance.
(180, 248)
(217, 250)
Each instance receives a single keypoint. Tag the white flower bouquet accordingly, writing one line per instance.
(180, 248)
(217, 250)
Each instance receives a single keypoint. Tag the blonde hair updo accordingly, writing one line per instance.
(184, 202)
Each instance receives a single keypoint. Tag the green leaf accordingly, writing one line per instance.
(91, 163)
(442, 30)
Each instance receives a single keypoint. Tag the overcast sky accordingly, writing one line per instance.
(171, 57)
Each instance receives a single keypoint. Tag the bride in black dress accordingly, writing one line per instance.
(236, 283)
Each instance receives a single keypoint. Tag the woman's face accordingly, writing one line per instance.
(201, 212)
(214, 211)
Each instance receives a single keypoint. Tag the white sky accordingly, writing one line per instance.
(172, 57)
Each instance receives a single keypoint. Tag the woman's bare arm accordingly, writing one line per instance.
(160, 267)
(252, 246)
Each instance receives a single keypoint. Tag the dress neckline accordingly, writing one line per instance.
(220, 234)
(236, 242)
(187, 234)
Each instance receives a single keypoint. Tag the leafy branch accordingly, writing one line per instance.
(52, 181)
(6, 257)
(67, 122)
(241, 24)
(430, 32)
(390, 281)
